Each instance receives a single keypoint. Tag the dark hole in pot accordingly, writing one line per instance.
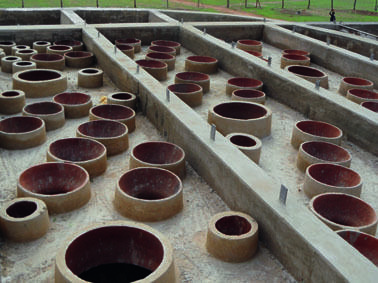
(39, 75)
(158, 152)
(244, 141)
(21, 209)
(233, 225)
(242, 111)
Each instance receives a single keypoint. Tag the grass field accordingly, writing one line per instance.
(294, 10)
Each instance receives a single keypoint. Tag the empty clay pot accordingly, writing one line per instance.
(155, 68)
(58, 49)
(309, 74)
(41, 46)
(232, 236)
(248, 144)
(321, 152)
(249, 45)
(168, 43)
(19, 47)
(7, 62)
(341, 211)
(22, 66)
(351, 83)
(293, 59)
(7, 46)
(127, 50)
(90, 78)
(194, 77)
(40, 82)
(112, 134)
(148, 194)
(49, 61)
(24, 219)
(12, 101)
(25, 54)
(129, 251)
(2, 55)
(75, 44)
(170, 60)
(242, 83)
(79, 59)
(88, 153)
(161, 49)
(159, 154)
(62, 186)
(22, 132)
(123, 98)
(134, 42)
(50, 112)
(191, 94)
(202, 64)
(373, 106)
(254, 53)
(366, 244)
(241, 117)
(115, 112)
(325, 178)
(361, 95)
(249, 95)
(296, 52)
(76, 104)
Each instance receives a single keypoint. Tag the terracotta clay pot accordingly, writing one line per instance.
(115, 112)
(194, 77)
(249, 45)
(76, 104)
(12, 101)
(161, 49)
(170, 60)
(255, 53)
(309, 130)
(18, 47)
(249, 95)
(232, 236)
(373, 106)
(25, 54)
(241, 117)
(134, 42)
(90, 78)
(131, 251)
(24, 219)
(191, 94)
(321, 152)
(23, 66)
(88, 153)
(63, 187)
(351, 83)
(202, 64)
(22, 132)
(361, 95)
(325, 178)
(41, 46)
(309, 74)
(123, 98)
(7, 62)
(341, 211)
(50, 112)
(75, 44)
(248, 144)
(155, 68)
(58, 49)
(112, 134)
(159, 154)
(242, 83)
(296, 52)
(292, 59)
(7, 46)
(49, 61)
(79, 59)
(127, 50)
(168, 43)
(148, 194)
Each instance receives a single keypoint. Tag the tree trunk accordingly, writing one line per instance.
(331, 4)
(309, 3)
(354, 5)
(376, 5)
(283, 4)
(228, 3)
(167, 4)
(258, 3)
(134, 3)
(245, 3)
(61, 3)
(97, 3)
(22, 4)
(198, 3)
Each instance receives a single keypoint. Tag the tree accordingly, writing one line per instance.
(228, 3)
(331, 4)
(134, 3)
(354, 5)
(257, 3)
(309, 3)
(283, 3)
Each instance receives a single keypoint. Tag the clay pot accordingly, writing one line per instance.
(232, 236)
(129, 250)
(155, 68)
(168, 43)
(361, 95)
(75, 44)
(191, 94)
(325, 178)
(292, 59)
(127, 50)
(12, 101)
(7, 47)
(112, 134)
(79, 59)
(17, 48)
(58, 49)
(115, 112)
(90, 78)
(2, 55)
(161, 49)
(159, 154)
(194, 77)
(255, 53)
(134, 42)
(373, 106)
(241, 117)
(296, 52)
(249, 45)
(7, 62)
(40, 82)
(88, 153)
(22, 132)
(248, 144)
(366, 244)
(25, 54)
(308, 130)
(351, 83)
(23, 66)
(41, 46)
(49, 61)
(341, 211)
(321, 152)
(248, 95)
(202, 64)
(76, 104)
(242, 83)
(309, 74)
(24, 219)
(123, 98)
(148, 194)
(63, 187)
(50, 112)
(170, 60)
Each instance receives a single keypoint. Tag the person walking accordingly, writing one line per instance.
(332, 14)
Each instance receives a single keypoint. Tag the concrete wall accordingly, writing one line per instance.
(68, 16)
(103, 16)
(366, 27)
(29, 17)
(207, 17)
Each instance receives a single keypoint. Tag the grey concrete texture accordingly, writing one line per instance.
(46, 16)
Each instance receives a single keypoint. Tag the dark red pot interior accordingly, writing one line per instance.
(245, 82)
(248, 93)
(165, 43)
(244, 141)
(24, 63)
(124, 47)
(295, 57)
(127, 41)
(233, 225)
(296, 52)
(162, 49)
(39, 75)
(202, 59)
(11, 58)
(344, 210)
(21, 46)
(158, 152)
(357, 81)
(60, 47)
(156, 55)
(306, 71)
(255, 53)
(318, 128)
(68, 42)
(53, 178)
(41, 43)
(90, 71)
(78, 54)
(151, 64)
(102, 129)
(47, 57)
(43, 108)
(184, 88)
(6, 42)
(149, 183)
(27, 51)
(21, 209)
(122, 96)
(363, 93)
(239, 110)
(249, 42)
(326, 151)
(112, 111)
(364, 243)
(114, 244)
(10, 93)
(192, 76)
(334, 175)
(76, 149)
(20, 124)
(371, 105)
(72, 98)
